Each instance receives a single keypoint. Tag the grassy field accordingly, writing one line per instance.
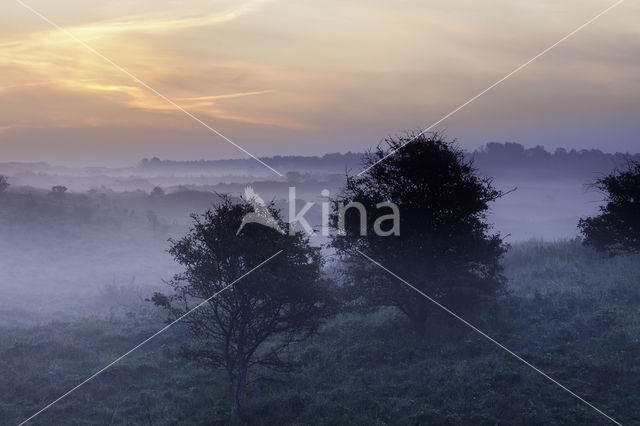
(570, 311)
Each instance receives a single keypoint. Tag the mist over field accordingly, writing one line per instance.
(82, 261)
(91, 249)
(101, 246)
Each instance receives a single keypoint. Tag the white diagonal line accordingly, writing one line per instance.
(93, 376)
(483, 334)
(497, 83)
(142, 83)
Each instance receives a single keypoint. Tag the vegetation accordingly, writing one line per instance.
(58, 190)
(443, 244)
(617, 228)
(269, 343)
(569, 311)
(4, 183)
(494, 158)
(258, 318)
(65, 257)
(157, 191)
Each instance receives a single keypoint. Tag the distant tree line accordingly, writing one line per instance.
(335, 161)
(505, 159)
(495, 159)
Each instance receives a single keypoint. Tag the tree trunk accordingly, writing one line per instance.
(237, 392)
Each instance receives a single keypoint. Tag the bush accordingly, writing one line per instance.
(443, 246)
(617, 228)
(244, 319)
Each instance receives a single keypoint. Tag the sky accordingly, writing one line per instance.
(302, 77)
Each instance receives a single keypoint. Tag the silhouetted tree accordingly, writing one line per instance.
(617, 228)
(257, 318)
(157, 192)
(58, 190)
(4, 183)
(444, 246)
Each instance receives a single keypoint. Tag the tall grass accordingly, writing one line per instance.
(570, 311)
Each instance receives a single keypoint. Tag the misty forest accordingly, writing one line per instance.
(506, 291)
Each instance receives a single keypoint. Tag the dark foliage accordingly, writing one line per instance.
(157, 191)
(255, 320)
(4, 183)
(58, 191)
(617, 228)
(445, 247)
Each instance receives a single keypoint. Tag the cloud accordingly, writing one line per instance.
(228, 96)
(70, 70)
(294, 73)
(153, 24)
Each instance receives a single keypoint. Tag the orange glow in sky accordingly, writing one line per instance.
(298, 77)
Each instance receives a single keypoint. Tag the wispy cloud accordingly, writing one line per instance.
(22, 85)
(227, 96)
(145, 23)
(58, 64)
(346, 73)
